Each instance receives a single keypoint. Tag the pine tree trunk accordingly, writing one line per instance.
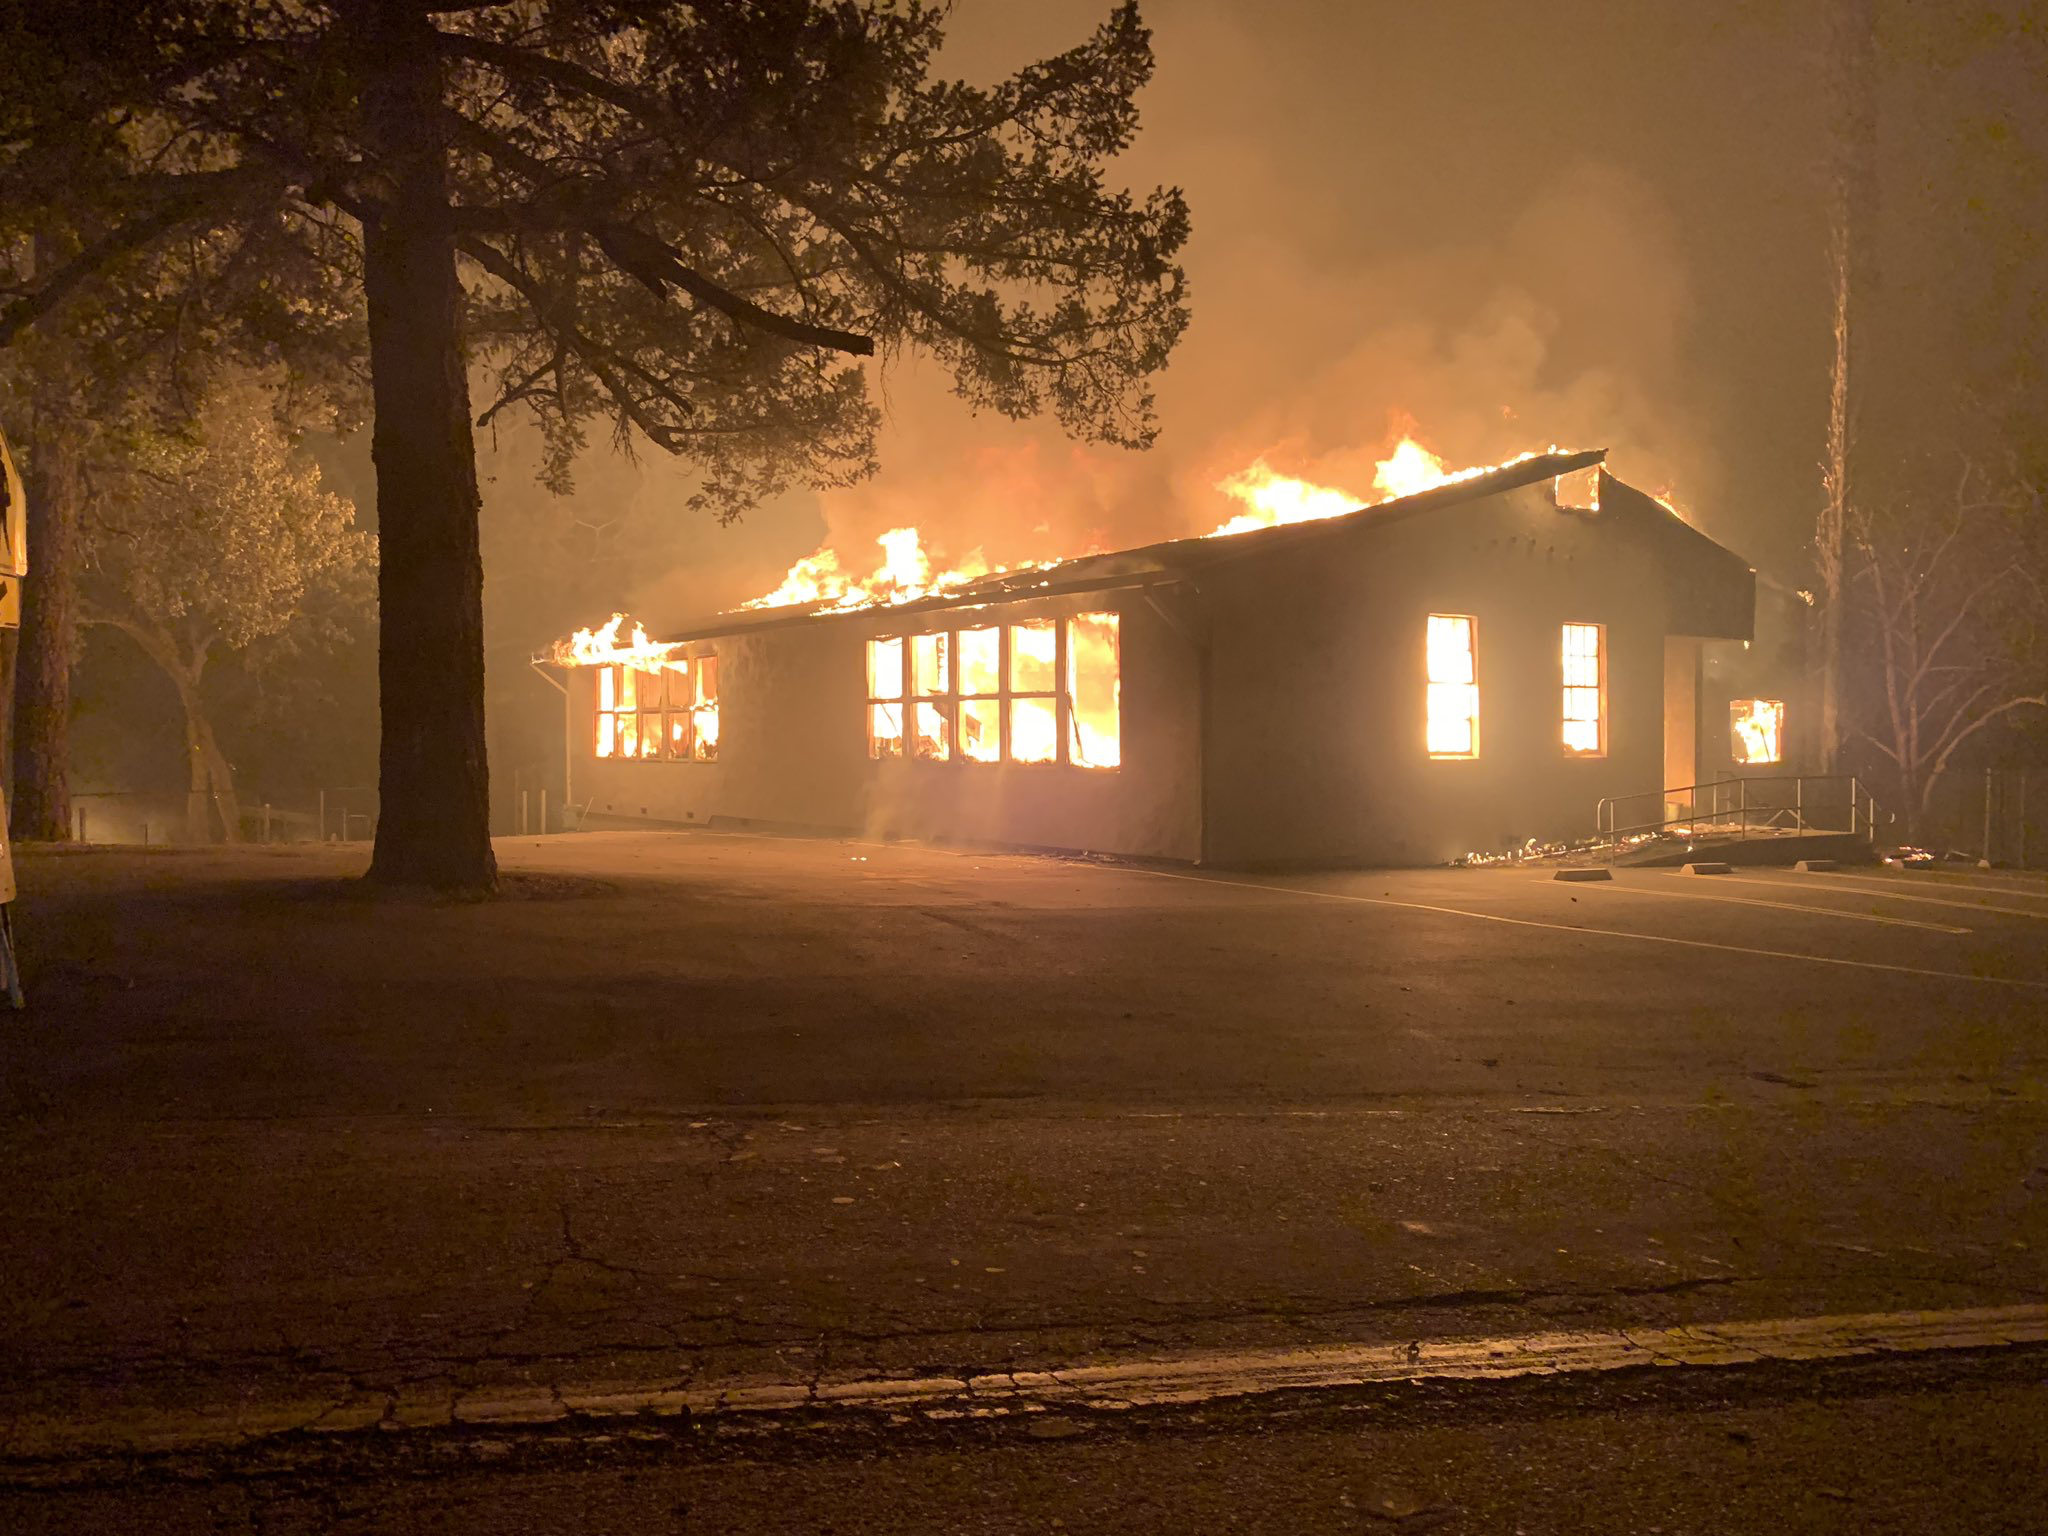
(1852, 47)
(433, 826)
(41, 808)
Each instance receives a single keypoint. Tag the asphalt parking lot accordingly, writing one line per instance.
(689, 1107)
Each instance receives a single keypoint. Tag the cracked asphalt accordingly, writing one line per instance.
(686, 1109)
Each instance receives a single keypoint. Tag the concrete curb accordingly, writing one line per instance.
(1114, 1385)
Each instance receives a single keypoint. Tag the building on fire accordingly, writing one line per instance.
(1464, 668)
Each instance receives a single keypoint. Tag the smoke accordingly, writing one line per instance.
(1452, 222)
(1570, 331)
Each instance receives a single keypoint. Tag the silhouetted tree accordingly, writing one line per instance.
(672, 219)
(1947, 622)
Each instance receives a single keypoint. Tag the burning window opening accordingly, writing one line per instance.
(930, 682)
(981, 687)
(1756, 730)
(1034, 714)
(665, 709)
(996, 693)
(1453, 708)
(704, 713)
(1094, 691)
(885, 698)
(1585, 690)
(1578, 491)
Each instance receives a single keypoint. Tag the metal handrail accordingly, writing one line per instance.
(1861, 808)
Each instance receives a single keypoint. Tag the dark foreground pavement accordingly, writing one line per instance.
(688, 1110)
(1878, 1452)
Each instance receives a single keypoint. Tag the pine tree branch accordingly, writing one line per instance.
(191, 196)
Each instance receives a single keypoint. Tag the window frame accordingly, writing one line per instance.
(1568, 688)
(876, 700)
(1780, 713)
(614, 673)
(1431, 683)
(952, 701)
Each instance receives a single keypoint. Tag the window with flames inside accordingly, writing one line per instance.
(1756, 731)
(1585, 690)
(999, 693)
(665, 711)
(1451, 716)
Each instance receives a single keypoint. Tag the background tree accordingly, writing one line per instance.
(675, 220)
(53, 423)
(1947, 619)
(214, 540)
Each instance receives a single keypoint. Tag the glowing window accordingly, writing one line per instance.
(1094, 691)
(679, 684)
(980, 662)
(885, 698)
(1585, 690)
(1034, 712)
(631, 710)
(1000, 694)
(1578, 491)
(931, 683)
(703, 708)
(1756, 730)
(1453, 708)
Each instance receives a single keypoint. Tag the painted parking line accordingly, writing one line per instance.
(1946, 882)
(1776, 906)
(2025, 983)
(1891, 891)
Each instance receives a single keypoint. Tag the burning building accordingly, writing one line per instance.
(1466, 666)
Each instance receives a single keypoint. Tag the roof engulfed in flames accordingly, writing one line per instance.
(1271, 499)
(905, 574)
(603, 647)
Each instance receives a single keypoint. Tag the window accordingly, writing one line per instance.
(1756, 730)
(1453, 704)
(981, 688)
(703, 710)
(931, 684)
(1000, 694)
(629, 712)
(1034, 713)
(669, 710)
(1094, 691)
(1585, 690)
(885, 698)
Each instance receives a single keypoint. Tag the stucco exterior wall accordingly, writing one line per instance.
(1316, 751)
(793, 746)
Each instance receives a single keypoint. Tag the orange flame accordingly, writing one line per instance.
(1269, 498)
(904, 575)
(602, 647)
(1273, 499)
